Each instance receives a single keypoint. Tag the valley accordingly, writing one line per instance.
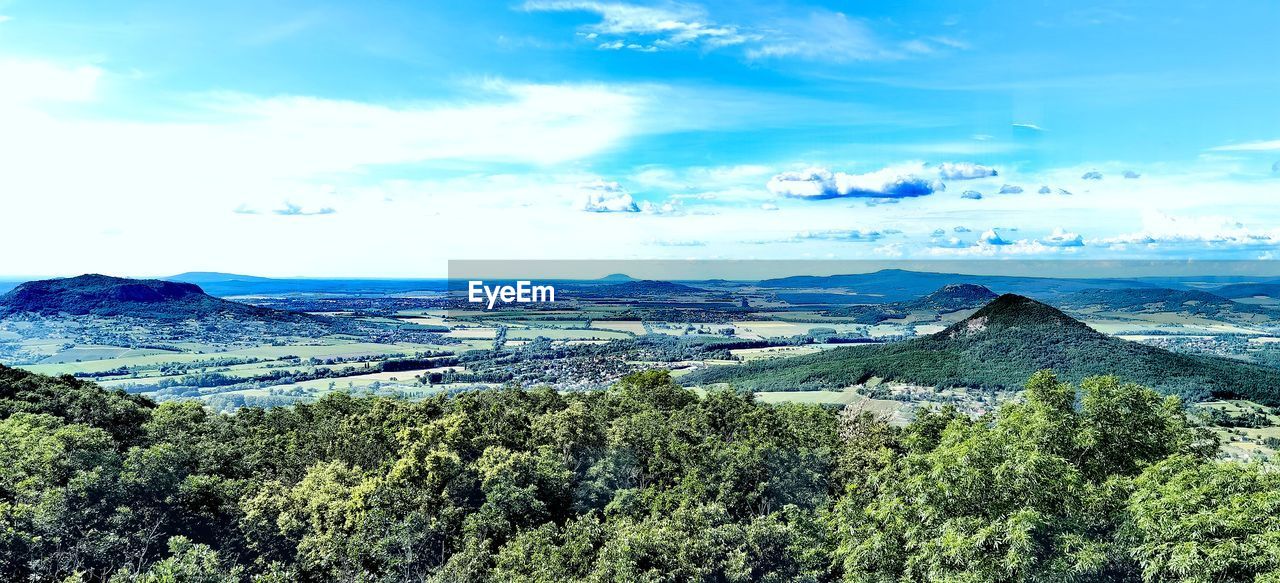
(808, 340)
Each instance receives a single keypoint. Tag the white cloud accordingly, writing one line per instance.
(1045, 190)
(1256, 146)
(1028, 126)
(1010, 189)
(820, 183)
(26, 82)
(964, 171)
(607, 197)
(1131, 175)
(768, 206)
(1091, 175)
(1062, 238)
(971, 195)
(1160, 228)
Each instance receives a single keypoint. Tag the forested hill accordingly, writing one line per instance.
(1193, 302)
(102, 295)
(642, 482)
(999, 346)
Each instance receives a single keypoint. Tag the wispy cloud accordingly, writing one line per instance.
(1255, 146)
(1028, 126)
(818, 35)
(646, 28)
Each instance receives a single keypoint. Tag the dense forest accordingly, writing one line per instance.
(645, 481)
(998, 347)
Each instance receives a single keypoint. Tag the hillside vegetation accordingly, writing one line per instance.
(643, 482)
(998, 347)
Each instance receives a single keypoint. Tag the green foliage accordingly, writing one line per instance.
(643, 482)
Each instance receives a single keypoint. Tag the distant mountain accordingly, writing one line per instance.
(1249, 290)
(1176, 301)
(102, 295)
(901, 284)
(203, 277)
(999, 347)
(617, 277)
(639, 287)
(948, 298)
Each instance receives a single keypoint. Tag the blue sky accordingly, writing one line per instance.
(382, 139)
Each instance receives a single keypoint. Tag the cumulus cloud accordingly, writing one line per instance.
(294, 210)
(820, 183)
(939, 232)
(1010, 189)
(1131, 175)
(1062, 238)
(1045, 190)
(991, 237)
(607, 197)
(961, 229)
(972, 195)
(964, 171)
(1091, 175)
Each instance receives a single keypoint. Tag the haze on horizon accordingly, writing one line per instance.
(342, 139)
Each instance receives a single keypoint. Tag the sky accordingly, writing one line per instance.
(383, 139)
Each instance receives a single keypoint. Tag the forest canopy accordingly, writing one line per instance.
(647, 481)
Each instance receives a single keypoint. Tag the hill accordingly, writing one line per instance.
(948, 298)
(102, 295)
(1153, 300)
(639, 287)
(998, 347)
(1269, 289)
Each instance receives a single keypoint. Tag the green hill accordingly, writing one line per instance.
(998, 347)
(1163, 300)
